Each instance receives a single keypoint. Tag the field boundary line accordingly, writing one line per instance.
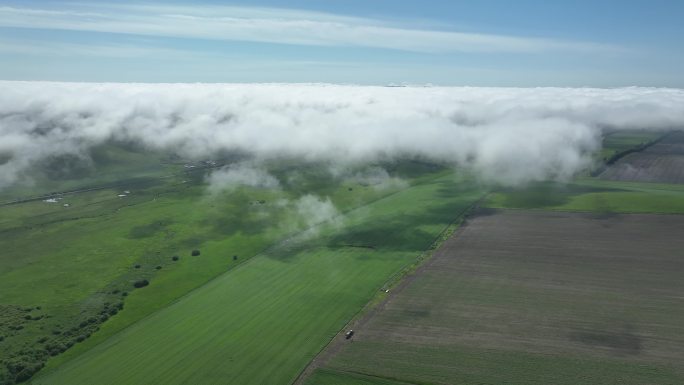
(395, 284)
(353, 373)
(597, 213)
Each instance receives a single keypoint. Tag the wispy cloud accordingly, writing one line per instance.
(274, 25)
(39, 48)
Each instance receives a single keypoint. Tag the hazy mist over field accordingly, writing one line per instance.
(505, 135)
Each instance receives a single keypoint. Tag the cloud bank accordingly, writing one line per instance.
(503, 134)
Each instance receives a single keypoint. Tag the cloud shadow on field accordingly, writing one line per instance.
(241, 212)
(620, 342)
(400, 232)
(150, 229)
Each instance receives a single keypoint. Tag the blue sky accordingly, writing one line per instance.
(601, 43)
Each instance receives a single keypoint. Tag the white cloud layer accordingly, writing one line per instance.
(274, 25)
(242, 174)
(504, 134)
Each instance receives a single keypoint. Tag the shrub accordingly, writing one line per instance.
(235, 257)
(174, 258)
(158, 267)
(141, 283)
(80, 338)
(124, 294)
(137, 266)
(56, 332)
(55, 348)
(27, 372)
(195, 253)
(115, 291)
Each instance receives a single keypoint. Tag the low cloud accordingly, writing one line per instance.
(315, 210)
(506, 135)
(234, 176)
(378, 178)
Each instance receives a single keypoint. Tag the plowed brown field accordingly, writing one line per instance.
(531, 297)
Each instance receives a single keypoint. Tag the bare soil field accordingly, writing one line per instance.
(662, 162)
(523, 297)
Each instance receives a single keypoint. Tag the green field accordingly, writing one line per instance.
(593, 195)
(86, 257)
(306, 290)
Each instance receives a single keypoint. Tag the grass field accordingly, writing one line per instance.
(523, 297)
(306, 289)
(88, 256)
(594, 195)
(85, 259)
